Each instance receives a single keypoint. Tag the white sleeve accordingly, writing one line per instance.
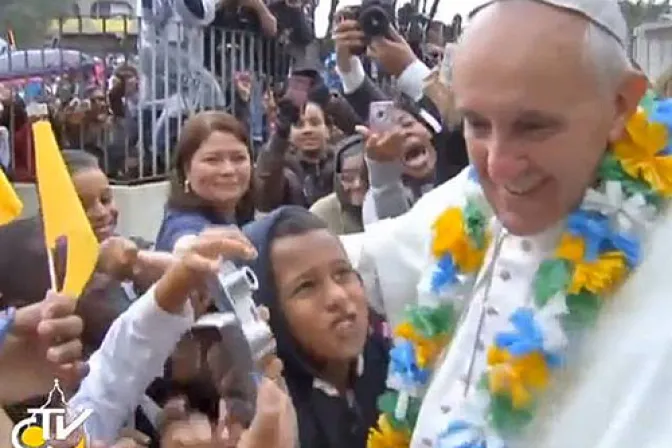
(353, 79)
(131, 356)
(412, 79)
(391, 254)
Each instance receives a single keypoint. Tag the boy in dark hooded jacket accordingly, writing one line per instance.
(335, 366)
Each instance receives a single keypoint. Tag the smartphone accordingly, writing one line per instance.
(381, 116)
(297, 90)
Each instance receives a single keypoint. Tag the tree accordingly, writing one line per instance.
(28, 18)
(637, 12)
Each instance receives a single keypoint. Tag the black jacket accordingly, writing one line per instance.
(324, 421)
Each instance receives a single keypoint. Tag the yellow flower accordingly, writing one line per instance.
(571, 248)
(385, 436)
(426, 350)
(599, 276)
(518, 377)
(638, 153)
(450, 237)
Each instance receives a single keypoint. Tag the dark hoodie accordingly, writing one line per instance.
(349, 147)
(341, 216)
(325, 421)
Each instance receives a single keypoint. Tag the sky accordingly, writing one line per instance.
(445, 13)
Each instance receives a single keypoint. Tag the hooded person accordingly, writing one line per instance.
(342, 209)
(334, 365)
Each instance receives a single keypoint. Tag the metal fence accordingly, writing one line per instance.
(652, 48)
(121, 89)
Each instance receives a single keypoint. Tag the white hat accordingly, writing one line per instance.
(604, 13)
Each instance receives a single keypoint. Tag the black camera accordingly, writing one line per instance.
(376, 17)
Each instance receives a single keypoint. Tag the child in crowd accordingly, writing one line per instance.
(335, 365)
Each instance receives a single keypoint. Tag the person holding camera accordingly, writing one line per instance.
(394, 188)
(244, 15)
(296, 167)
(142, 338)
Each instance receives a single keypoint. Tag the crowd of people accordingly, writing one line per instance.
(431, 264)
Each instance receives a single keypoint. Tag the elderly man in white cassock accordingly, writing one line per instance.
(531, 294)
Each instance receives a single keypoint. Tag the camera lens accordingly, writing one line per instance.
(374, 21)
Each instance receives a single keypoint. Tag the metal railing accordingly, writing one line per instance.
(652, 48)
(121, 88)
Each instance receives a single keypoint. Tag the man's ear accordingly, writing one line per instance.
(629, 94)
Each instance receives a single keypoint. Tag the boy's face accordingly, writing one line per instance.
(322, 297)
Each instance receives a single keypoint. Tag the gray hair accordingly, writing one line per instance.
(606, 57)
(602, 53)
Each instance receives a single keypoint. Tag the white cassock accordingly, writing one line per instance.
(616, 390)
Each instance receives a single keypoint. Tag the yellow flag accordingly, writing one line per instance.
(10, 204)
(62, 212)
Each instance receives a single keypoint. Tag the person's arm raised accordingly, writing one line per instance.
(139, 342)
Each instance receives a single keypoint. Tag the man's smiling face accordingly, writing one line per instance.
(536, 119)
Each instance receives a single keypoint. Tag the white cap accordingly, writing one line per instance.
(604, 13)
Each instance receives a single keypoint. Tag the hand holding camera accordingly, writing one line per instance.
(225, 360)
(392, 52)
(349, 40)
(197, 262)
(291, 105)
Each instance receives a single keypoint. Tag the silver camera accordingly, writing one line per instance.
(233, 339)
(233, 298)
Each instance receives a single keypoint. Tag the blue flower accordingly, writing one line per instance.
(445, 274)
(473, 174)
(596, 231)
(403, 364)
(527, 337)
(461, 434)
(662, 113)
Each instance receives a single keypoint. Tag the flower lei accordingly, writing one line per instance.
(598, 249)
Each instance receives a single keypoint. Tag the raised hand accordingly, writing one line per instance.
(54, 326)
(383, 147)
(43, 343)
(197, 260)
